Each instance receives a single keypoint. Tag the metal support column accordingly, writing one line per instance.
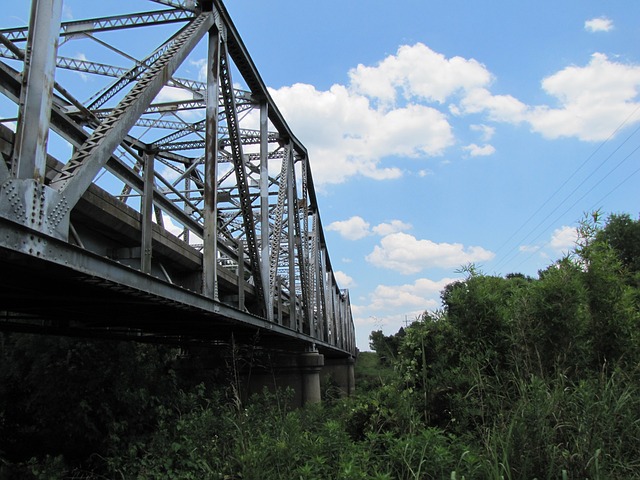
(264, 208)
(210, 240)
(38, 77)
(147, 213)
(291, 206)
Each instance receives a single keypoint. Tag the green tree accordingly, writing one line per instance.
(386, 346)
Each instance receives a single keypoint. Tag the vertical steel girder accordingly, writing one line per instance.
(226, 87)
(264, 208)
(210, 246)
(30, 149)
(147, 213)
(210, 174)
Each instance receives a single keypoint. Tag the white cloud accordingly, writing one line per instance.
(67, 13)
(600, 24)
(479, 151)
(347, 136)
(201, 65)
(394, 226)
(344, 280)
(173, 94)
(416, 71)
(499, 108)
(563, 239)
(354, 228)
(406, 254)
(423, 294)
(425, 172)
(83, 58)
(592, 100)
(486, 132)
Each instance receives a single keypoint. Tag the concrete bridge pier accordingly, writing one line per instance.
(310, 365)
(341, 373)
(299, 372)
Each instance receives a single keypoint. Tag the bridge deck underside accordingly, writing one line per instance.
(73, 302)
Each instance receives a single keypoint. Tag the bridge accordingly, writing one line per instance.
(151, 190)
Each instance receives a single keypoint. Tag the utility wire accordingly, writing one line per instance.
(507, 256)
(624, 122)
(583, 196)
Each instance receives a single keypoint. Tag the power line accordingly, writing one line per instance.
(624, 122)
(507, 257)
(585, 194)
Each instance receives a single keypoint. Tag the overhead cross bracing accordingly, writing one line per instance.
(154, 173)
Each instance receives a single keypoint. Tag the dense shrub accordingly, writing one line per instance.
(515, 378)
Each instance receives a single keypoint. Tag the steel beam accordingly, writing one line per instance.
(85, 266)
(146, 252)
(79, 172)
(264, 206)
(291, 240)
(30, 149)
(210, 238)
(226, 85)
(104, 24)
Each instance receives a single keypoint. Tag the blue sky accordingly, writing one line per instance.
(446, 133)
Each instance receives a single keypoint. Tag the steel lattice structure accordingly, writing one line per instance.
(206, 188)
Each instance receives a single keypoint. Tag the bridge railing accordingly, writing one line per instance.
(179, 133)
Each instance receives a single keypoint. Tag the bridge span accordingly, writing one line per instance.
(150, 189)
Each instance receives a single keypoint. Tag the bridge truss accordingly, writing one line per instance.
(150, 186)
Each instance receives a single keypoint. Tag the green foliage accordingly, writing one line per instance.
(386, 346)
(62, 396)
(371, 373)
(540, 372)
(515, 378)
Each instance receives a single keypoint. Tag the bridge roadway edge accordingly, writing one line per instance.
(143, 302)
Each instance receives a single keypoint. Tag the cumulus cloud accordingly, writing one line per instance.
(486, 131)
(416, 71)
(479, 151)
(388, 110)
(392, 227)
(592, 101)
(563, 239)
(347, 136)
(600, 24)
(344, 280)
(356, 228)
(423, 294)
(498, 108)
(406, 254)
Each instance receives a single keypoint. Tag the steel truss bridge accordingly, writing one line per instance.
(151, 189)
